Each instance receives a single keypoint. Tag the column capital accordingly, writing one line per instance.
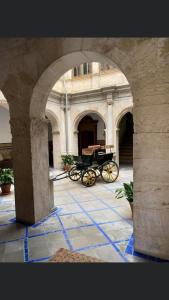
(110, 101)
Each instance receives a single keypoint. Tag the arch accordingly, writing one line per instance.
(53, 119)
(81, 115)
(3, 101)
(121, 115)
(55, 147)
(56, 69)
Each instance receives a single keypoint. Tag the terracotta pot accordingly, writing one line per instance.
(67, 167)
(6, 189)
(131, 205)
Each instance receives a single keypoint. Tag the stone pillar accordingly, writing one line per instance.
(109, 129)
(62, 130)
(69, 127)
(31, 169)
(151, 173)
(56, 149)
(75, 152)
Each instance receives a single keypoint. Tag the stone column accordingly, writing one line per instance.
(69, 127)
(62, 130)
(75, 152)
(56, 149)
(151, 172)
(31, 169)
(109, 131)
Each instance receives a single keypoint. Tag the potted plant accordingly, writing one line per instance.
(68, 161)
(6, 179)
(127, 192)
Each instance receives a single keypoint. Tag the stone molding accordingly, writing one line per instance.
(55, 132)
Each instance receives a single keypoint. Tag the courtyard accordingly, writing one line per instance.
(87, 220)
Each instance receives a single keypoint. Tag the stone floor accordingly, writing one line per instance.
(88, 220)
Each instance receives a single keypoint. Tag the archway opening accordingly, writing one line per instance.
(91, 131)
(126, 139)
(50, 144)
(5, 139)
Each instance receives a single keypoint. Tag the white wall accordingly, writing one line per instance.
(5, 133)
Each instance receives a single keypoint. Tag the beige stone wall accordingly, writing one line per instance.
(96, 80)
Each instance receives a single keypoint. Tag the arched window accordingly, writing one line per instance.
(81, 70)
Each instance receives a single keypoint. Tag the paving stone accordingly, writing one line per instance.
(84, 237)
(106, 253)
(46, 245)
(12, 251)
(75, 220)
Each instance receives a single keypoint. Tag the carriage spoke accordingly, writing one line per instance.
(89, 178)
(109, 172)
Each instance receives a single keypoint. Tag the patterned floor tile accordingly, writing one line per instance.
(46, 245)
(50, 224)
(104, 216)
(75, 220)
(118, 230)
(75, 203)
(12, 252)
(11, 232)
(93, 205)
(70, 208)
(85, 237)
(105, 253)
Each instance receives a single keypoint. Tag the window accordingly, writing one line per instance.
(83, 69)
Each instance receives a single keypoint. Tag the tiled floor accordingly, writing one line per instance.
(88, 220)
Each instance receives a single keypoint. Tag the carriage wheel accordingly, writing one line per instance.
(109, 171)
(74, 174)
(89, 178)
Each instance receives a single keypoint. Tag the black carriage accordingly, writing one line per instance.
(89, 167)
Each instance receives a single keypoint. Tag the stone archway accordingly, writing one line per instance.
(91, 131)
(144, 61)
(54, 139)
(94, 134)
(126, 139)
(119, 134)
(5, 137)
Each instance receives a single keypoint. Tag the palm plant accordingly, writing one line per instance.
(126, 191)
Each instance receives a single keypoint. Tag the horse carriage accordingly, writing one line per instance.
(88, 168)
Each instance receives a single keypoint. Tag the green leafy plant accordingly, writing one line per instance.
(125, 191)
(6, 176)
(67, 159)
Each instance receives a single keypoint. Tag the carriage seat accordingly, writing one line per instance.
(86, 161)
